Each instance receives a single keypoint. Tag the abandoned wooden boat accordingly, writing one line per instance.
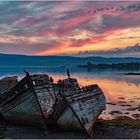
(77, 108)
(37, 101)
(22, 105)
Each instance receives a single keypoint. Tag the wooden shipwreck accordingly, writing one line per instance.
(37, 101)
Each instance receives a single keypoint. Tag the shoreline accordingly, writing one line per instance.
(131, 73)
(119, 128)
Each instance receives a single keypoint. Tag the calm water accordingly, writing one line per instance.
(122, 91)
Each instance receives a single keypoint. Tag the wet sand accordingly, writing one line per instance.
(119, 128)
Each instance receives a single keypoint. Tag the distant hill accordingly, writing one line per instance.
(23, 60)
(118, 66)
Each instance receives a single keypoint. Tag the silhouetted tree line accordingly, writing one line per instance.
(119, 66)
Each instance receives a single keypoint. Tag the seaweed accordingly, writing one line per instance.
(115, 112)
(125, 105)
(122, 98)
(110, 103)
(122, 121)
(121, 102)
(134, 108)
(136, 116)
(126, 113)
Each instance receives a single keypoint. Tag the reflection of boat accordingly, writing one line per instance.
(37, 101)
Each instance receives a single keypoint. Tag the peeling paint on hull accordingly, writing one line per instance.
(86, 107)
(24, 111)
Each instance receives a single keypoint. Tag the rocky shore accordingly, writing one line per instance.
(119, 128)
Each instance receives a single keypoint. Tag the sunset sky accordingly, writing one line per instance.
(48, 28)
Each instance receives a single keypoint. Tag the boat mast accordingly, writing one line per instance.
(68, 73)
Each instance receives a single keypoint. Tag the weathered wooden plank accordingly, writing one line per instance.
(85, 105)
(22, 105)
(23, 111)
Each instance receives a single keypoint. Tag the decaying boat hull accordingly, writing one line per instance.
(86, 109)
(23, 109)
(69, 122)
(82, 111)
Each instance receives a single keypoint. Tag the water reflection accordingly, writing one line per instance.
(122, 91)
